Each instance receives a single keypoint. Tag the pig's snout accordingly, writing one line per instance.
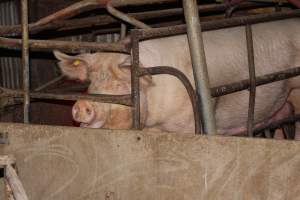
(83, 111)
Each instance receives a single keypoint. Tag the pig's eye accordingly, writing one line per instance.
(88, 111)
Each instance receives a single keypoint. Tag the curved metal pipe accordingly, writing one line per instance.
(185, 81)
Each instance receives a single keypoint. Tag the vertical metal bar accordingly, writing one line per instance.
(123, 31)
(7, 63)
(17, 60)
(135, 83)
(25, 59)
(252, 78)
(199, 65)
(13, 64)
(3, 59)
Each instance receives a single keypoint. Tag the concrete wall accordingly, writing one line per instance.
(73, 163)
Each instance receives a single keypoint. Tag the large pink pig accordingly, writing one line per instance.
(165, 104)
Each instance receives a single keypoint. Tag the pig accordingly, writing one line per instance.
(164, 101)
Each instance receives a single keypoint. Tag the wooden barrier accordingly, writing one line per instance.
(74, 163)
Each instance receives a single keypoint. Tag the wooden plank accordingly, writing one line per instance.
(75, 163)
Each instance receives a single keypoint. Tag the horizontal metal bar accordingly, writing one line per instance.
(67, 46)
(185, 81)
(215, 92)
(218, 24)
(139, 2)
(103, 98)
(260, 80)
(107, 19)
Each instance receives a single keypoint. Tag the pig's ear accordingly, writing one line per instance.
(74, 67)
(125, 67)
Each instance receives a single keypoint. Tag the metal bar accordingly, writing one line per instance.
(216, 91)
(79, 7)
(49, 83)
(118, 3)
(103, 98)
(107, 19)
(199, 65)
(25, 59)
(251, 66)
(115, 30)
(67, 46)
(135, 82)
(185, 81)
(124, 17)
(6, 59)
(260, 80)
(218, 24)
(123, 31)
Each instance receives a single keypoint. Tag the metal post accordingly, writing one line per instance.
(252, 78)
(123, 31)
(25, 59)
(135, 83)
(199, 65)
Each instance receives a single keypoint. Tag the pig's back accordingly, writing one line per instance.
(226, 55)
(226, 49)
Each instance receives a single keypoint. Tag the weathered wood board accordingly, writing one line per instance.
(73, 163)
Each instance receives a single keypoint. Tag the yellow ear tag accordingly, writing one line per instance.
(76, 62)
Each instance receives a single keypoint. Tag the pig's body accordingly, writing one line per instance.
(165, 103)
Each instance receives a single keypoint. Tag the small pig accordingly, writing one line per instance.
(165, 104)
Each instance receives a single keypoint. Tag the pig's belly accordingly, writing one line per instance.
(232, 110)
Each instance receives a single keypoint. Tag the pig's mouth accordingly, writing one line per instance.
(98, 124)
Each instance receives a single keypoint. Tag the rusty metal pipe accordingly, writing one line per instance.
(135, 82)
(251, 66)
(260, 80)
(118, 3)
(67, 46)
(199, 65)
(125, 17)
(218, 24)
(25, 59)
(106, 19)
(102, 98)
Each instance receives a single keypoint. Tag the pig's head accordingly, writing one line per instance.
(108, 73)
